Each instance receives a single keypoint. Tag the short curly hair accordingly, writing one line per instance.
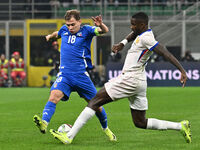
(72, 13)
(141, 16)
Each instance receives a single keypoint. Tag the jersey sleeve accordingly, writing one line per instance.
(149, 41)
(92, 30)
(60, 31)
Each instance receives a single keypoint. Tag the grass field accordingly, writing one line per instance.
(18, 105)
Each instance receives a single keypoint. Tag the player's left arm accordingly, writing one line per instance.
(162, 51)
(102, 28)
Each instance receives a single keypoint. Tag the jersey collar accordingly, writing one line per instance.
(145, 31)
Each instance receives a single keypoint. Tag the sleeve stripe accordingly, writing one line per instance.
(154, 46)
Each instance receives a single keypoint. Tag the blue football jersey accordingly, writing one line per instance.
(75, 54)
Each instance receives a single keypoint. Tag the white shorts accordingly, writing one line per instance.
(127, 85)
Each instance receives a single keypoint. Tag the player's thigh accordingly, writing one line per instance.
(63, 85)
(122, 86)
(139, 100)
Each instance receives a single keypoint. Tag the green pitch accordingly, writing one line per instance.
(18, 105)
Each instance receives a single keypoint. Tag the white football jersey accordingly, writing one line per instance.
(139, 53)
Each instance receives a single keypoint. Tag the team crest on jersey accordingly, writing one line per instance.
(66, 33)
(79, 34)
(137, 40)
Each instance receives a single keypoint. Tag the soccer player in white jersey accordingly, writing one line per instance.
(132, 83)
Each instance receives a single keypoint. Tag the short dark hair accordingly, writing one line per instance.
(72, 13)
(141, 16)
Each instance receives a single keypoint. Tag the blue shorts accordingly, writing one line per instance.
(79, 82)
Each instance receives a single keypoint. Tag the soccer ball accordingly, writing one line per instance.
(65, 128)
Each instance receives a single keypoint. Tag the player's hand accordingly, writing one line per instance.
(183, 78)
(48, 37)
(117, 47)
(97, 20)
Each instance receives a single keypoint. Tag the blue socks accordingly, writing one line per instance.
(48, 111)
(50, 108)
(102, 118)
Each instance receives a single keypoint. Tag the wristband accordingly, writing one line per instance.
(124, 41)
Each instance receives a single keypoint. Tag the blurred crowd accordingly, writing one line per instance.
(114, 1)
(186, 58)
(12, 71)
(23, 9)
(66, 3)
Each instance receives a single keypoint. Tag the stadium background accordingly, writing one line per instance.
(24, 23)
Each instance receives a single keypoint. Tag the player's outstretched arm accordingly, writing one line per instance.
(99, 23)
(52, 35)
(118, 47)
(160, 50)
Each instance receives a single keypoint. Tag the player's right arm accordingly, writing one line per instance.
(118, 47)
(160, 50)
(52, 35)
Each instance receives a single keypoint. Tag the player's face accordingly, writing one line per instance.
(137, 26)
(73, 25)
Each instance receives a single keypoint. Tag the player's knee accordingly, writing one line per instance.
(94, 105)
(91, 104)
(140, 124)
(54, 99)
(55, 96)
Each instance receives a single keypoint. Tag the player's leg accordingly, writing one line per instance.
(50, 106)
(139, 105)
(59, 90)
(113, 90)
(87, 90)
(48, 111)
(100, 99)
(102, 116)
(141, 121)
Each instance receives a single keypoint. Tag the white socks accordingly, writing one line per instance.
(156, 124)
(85, 115)
(152, 123)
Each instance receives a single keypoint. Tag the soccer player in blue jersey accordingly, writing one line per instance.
(75, 58)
